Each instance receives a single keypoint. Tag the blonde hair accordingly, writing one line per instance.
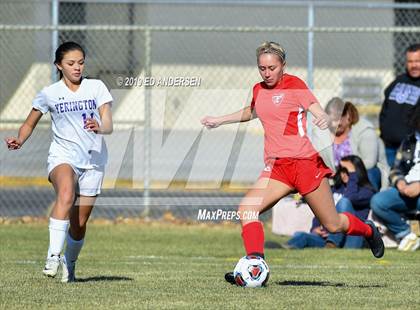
(272, 48)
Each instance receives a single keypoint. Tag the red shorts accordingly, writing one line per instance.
(303, 174)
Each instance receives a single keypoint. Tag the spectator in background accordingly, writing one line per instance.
(401, 96)
(351, 182)
(390, 205)
(356, 136)
(353, 191)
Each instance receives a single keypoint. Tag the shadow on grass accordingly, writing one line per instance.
(104, 279)
(323, 283)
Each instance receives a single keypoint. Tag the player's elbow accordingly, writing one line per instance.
(247, 115)
(108, 131)
(108, 128)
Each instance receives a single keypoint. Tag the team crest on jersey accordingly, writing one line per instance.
(277, 99)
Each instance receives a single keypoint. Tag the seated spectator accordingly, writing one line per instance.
(356, 136)
(353, 184)
(353, 191)
(391, 205)
(300, 240)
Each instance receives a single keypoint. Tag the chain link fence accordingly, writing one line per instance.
(169, 63)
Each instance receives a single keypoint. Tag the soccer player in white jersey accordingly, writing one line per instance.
(80, 111)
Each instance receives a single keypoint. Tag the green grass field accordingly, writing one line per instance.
(166, 266)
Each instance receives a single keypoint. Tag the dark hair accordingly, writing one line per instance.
(414, 120)
(347, 108)
(413, 48)
(63, 49)
(338, 181)
(361, 172)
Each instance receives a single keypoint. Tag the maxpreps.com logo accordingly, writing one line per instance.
(277, 99)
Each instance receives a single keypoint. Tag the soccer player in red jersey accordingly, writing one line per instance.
(281, 102)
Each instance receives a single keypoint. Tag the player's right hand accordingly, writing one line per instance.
(210, 122)
(13, 143)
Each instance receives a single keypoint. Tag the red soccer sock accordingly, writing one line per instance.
(253, 237)
(357, 227)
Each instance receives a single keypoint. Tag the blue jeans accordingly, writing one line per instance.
(390, 153)
(374, 176)
(390, 207)
(302, 240)
(342, 240)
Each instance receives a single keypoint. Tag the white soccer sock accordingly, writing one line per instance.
(73, 249)
(58, 230)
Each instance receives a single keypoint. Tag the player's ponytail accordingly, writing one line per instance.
(63, 49)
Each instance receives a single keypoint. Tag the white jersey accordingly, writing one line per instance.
(414, 174)
(69, 110)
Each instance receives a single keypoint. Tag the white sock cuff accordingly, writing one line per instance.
(62, 225)
(72, 241)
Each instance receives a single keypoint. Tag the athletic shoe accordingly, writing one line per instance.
(51, 266)
(375, 241)
(409, 243)
(71, 266)
(64, 270)
(230, 278)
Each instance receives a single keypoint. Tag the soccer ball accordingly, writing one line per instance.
(251, 271)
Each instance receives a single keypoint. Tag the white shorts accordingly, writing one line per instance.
(89, 181)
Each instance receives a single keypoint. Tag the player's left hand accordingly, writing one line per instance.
(92, 125)
(322, 121)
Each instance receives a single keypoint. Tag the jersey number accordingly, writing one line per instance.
(84, 115)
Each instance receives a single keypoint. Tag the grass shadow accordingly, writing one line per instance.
(324, 283)
(104, 279)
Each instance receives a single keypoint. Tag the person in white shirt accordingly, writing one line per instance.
(80, 111)
(391, 205)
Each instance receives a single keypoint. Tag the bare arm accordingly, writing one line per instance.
(321, 118)
(25, 130)
(244, 115)
(106, 127)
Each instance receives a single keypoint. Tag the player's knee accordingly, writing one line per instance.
(376, 204)
(65, 197)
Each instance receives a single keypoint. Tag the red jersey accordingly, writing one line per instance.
(282, 112)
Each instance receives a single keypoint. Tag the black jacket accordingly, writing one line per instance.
(401, 96)
(404, 159)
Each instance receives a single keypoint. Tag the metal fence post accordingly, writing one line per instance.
(310, 77)
(147, 122)
(311, 22)
(55, 5)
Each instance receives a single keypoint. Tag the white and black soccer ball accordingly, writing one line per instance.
(251, 271)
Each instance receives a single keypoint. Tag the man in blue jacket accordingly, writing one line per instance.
(401, 96)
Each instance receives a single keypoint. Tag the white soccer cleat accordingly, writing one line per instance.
(51, 266)
(409, 243)
(70, 268)
(64, 270)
